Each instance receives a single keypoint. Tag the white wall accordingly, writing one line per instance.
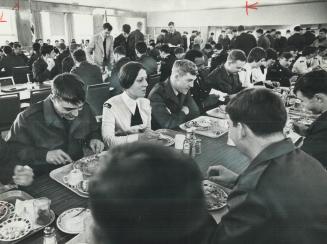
(293, 14)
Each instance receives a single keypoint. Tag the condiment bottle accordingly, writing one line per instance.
(187, 142)
(49, 236)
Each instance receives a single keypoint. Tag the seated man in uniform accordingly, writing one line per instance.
(225, 78)
(280, 197)
(311, 89)
(280, 70)
(54, 131)
(171, 101)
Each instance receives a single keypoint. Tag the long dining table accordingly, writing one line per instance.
(214, 151)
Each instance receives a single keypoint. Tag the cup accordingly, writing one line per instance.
(179, 141)
(42, 208)
(73, 178)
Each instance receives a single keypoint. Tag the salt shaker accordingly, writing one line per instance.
(49, 236)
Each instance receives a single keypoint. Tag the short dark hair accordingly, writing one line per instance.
(297, 28)
(256, 54)
(69, 88)
(7, 50)
(171, 23)
(288, 31)
(278, 33)
(79, 55)
(218, 46)
(62, 46)
(165, 48)
(192, 54)
(260, 31)
(179, 50)
(36, 47)
(260, 109)
(121, 50)
(286, 55)
(235, 55)
(212, 33)
(73, 47)
(141, 47)
(107, 26)
(146, 207)
(128, 73)
(323, 30)
(309, 50)
(271, 54)
(207, 46)
(312, 83)
(17, 45)
(46, 49)
(164, 31)
(240, 28)
(126, 28)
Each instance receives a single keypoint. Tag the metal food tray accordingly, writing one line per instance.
(209, 132)
(215, 112)
(11, 197)
(58, 175)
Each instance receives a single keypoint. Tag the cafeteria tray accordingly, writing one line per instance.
(11, 197)
(217, 129)
(217, 113)
(58, 175)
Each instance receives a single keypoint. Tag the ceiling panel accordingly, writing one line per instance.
(171, 5)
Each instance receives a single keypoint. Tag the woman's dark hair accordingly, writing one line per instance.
(256, 54)
(69, 88)
(128, 73)
(260, 109)
(312, 83)
(146, 193)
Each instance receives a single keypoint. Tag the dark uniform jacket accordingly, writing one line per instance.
(166, 106)
(174, 38)
(149, 64)
(120, 41)
(296, 40)
(245, 42)
(8, 160)
(166, 67)
(315, 142)
(32, 59)
(67, 64)
(39, 129)
(40, 71)
(280, 44)
(223, 81)
(133, 38)
(264, 42)
(89, 73)
(279, 73)
(8, 62)
(200, 92)
(279, 198)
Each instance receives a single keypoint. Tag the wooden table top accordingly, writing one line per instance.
(214, 151)
(25, 94)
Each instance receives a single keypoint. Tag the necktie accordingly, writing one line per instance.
(104, 49)
(136, 117)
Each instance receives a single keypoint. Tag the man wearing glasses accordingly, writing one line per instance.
(54, 131)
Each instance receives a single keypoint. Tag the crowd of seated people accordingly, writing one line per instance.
(193, 79)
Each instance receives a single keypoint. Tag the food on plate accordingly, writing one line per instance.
(13, 229)
(88, 165)
(3, 211)
(202, 124)
(216, 197)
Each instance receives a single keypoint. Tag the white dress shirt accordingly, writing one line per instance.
(116, 119)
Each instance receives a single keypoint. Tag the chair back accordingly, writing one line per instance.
(9, 109)
(96, 95)
(39, 95)
(7, 81)
(20, 74)
(152, 80)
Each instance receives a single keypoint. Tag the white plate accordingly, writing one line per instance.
(216, 197)
(164, 140)
(11, 209)
(4, 211)
(71, 221)
(14, 229)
